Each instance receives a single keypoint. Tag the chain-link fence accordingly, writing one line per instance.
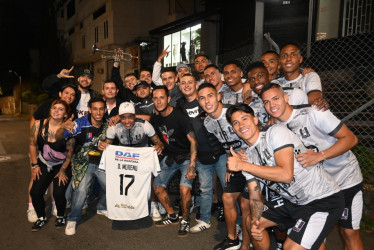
(346, 68)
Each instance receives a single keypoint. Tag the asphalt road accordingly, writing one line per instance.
(93, 231)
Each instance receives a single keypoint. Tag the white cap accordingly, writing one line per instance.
(126, 108)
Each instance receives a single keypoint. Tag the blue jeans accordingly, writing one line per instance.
(167, 173)
(205, 173)
(80, 193)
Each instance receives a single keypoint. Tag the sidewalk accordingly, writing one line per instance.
(14, 117)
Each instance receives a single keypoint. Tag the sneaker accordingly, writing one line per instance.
(39, 224)
(70, 228)
(60, 222)
(228, 244)
(168, 220)
(221, 215)
(31, 215)
(54, 210)
(184, 228)
(201, 226)
(156, 216)
(239, 232)
(161, 208)
(103, 212)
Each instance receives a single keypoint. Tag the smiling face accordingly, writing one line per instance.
(182, 71)
(245, 126)
(67, 95)
(84, 82)
(143, 91)
(290, 60)
(169, 79)
(232, 75)
(257, 78)
(130, 82)
(276, 104)
(109, 90)
(213, 76)
(97, 111)
(187, 85)
(209, 100)
(127, 120)
(271, 62)
(58, 111)
(145, 76)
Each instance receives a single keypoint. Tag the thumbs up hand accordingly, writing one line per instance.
(69, 124)
(233, 161)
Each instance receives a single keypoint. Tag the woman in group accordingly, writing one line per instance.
(50, 162)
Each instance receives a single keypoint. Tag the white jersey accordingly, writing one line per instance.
(137, 136)
(128, 180)
(307, 184)
(223, 131)
(259, 109)
(231, 97)
(82, 107)
(316, 130)
(308, 83)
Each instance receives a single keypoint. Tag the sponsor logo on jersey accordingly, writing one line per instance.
(299, 225)
(124, 206)
(127, 155)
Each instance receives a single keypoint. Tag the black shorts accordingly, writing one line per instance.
(353, 207)
(310, 223)
(237, 184)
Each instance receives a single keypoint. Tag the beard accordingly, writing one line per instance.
(83, 87)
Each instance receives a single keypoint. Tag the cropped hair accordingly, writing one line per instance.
(270, 86)
(96, 99)
(238, 107)
(271, 52)
(161, 87)
(256, 65)
(212, 66)
(206, 85)
(235, 62)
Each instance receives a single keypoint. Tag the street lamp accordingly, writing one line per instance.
(20, 88)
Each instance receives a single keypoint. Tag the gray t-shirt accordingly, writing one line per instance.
(316, 130)
(307, 184)
(137, 136)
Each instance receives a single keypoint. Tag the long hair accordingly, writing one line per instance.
(67, 110)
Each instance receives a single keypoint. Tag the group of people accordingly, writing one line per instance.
(281, 156)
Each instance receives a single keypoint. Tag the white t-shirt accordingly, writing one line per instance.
(128, 180)
(307, 184)
(308, 83)
(316, 130)
(82, 107)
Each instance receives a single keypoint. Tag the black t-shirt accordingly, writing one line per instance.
(144, 106)
(194, 112)
(173, 131)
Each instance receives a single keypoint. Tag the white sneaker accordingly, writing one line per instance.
(201, 226)
(239, 232)
(31, 215)
(156, 216)
(54, 211)
(103, 212)
(161, 208)
(70, 228)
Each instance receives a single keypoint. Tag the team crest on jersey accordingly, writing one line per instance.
(265, 208)
(345, 214)
(299, 225)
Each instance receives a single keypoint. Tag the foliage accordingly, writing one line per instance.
(366, 161)
(34, 95)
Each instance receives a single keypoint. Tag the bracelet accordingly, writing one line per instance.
(36, 166)
(324, 156)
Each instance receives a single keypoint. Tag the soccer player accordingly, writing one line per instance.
(329, 141)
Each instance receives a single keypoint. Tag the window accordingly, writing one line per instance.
(99, 12)
(106, 32)
(96, 34)
(183, 45)
(70, 9)
(83, 41)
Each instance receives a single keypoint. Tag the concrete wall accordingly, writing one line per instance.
(7, 105)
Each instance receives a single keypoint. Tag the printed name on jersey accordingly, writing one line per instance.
(233, 144)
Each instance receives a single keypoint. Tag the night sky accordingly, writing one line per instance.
(20, 29)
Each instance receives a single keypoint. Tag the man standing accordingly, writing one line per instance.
(211, 156)
(110, 92)
(213, 75)
(177, 134)
(88, 131)
(144, 105)
(232, 73)
(84, 94)
(235, 188)
(312, 201)
(169, 79)
(328, 141)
